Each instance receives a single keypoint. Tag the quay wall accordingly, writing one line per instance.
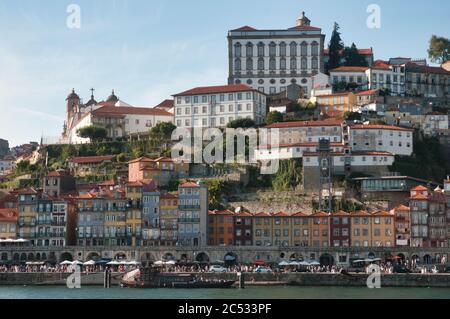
(299, 279)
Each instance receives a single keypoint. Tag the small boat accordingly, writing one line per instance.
(152, 277)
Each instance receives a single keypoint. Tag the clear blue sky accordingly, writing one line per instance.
(148, 50)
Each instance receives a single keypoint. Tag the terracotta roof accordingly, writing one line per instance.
(243, 214)
(419, 188)
(9, 214)
(262, 214)
(380, 65)
(58, 173)
(413, 67)
(245, 28)
(168, 196)
(334, 94)
(379, 127)
(166, 104)
(304, 124)
(217, 89)
(27, 191)
(221, 212)
(382, 213)
(300, 214)
(350, 69)
(190, 185)
(319, 214)
(141, 159)
(359, 213)
(281, 214)
(305, 28)
(367, 92)
(123, 110)
(91, 159)
(340, 213)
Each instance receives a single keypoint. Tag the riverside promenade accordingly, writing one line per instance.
(440, 280)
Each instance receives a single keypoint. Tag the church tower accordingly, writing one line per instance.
(303, 20)
(73, 103)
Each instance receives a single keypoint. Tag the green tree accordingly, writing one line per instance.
(352, 116)
(244, 123)
(352, 57)
(335, 48)
(384, 92)
(439, 49)
(93, 132)
(289, 175)
(274, 117)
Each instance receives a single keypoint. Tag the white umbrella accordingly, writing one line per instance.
(133, 263)
(294, 263)
(77, 262)
(123, 262)
(314, 263)
(113, 262)
(66, 262)
(171, 262)
(283, 263)
(304, 263)
(358, 260)
(89, 263)
(159, 262)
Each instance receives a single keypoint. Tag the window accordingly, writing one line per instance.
(260, 49)
(272, 65)
(293, 49)
(304, 63)
(314, 63)
(272, 49)
(249, 64)
(237, 66)
(293, 63)
(237, 49)
(283, 64)
(249, 49)
(282, 49)
(260, 64)
(304, 48)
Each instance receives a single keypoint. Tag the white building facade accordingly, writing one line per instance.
(216, 106)
(269, 60)
(381, 138)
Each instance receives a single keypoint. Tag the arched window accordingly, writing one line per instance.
(272, 64)
(293, 48)
(304, 62)
(272, 49)
(249, 49)
(249, 64)
(293, 63)
(237, 65)
(237, 49)
(282, 49)
(304, 49)
(260, 49)
(283, 64)
(314, 63)
(315, 48)
(261, 64)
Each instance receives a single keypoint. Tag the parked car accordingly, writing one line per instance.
(217, 268)
(262, 269)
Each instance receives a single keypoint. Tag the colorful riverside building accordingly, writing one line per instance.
(168, 208)
(150, 214)
(319, 228)
(221, 228)
(402, 220)
(8, 223)
(340, 229)
(243, 229)
(193, 214)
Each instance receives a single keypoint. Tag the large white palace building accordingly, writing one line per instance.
(270, 60)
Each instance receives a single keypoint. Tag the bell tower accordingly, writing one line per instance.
(73, 104)
(303, 20)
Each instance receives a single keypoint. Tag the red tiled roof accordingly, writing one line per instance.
(334, 94)
(379, 127)
(27, 191)
(243, 214)
(262, 214)
(367, 92)
(141, 159)
(166, 104)
(281, 214)
(245, 28)
(413, 67)
(380, 65)
(189, 185)
(300, 214)
(319, 214)
(340, 213)
(359, 213)
(9, 214)
(350, 69)
(217, 89)
(91, 159)
(221, 212)
(419, 188)
(419, 196)
(382, 213)
(304, 124)
(168, 196)
(361, 153)
(123, 110)
(305, 28)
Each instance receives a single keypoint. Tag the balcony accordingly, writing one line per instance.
(189, 220)
(182, 207)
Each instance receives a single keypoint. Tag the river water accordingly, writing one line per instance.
(278, 292)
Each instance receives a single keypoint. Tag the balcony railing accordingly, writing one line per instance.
(188, 220)
(189, 206)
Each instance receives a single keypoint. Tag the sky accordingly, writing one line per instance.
(148, 50)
